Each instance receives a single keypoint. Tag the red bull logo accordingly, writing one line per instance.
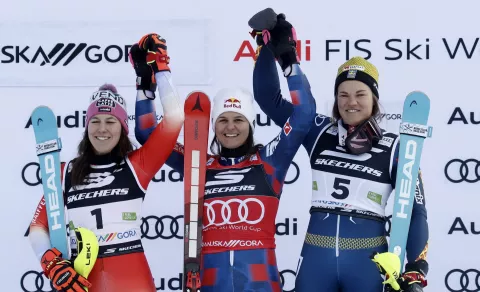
(232, 102)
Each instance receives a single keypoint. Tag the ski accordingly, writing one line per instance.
(196, 130)
(413, 131)
(48, 146)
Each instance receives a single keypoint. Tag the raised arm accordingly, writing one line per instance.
(266, 88)
(158, 140)
(280, 152)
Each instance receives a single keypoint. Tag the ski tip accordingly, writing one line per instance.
(417, 98)
(196, 93)
(42, 113)
(42, 109)
(418, 94)
(44, 121)
(197, 101)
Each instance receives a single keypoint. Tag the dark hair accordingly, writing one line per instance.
(81, 164)
(216, 147)
(376, 112)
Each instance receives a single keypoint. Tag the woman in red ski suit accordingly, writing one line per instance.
(105, 185)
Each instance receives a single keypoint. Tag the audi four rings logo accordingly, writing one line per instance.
(250, 211)
(457, 170)
(458, 280)
(33, 281)
(165, 227)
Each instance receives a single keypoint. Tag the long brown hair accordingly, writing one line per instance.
(81, 164)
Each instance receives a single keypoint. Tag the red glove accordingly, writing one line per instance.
(414, 273)
(60, 271)
(156, 48)
(413, 279)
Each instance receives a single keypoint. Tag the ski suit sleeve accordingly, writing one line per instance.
(176, 158)
(146, 123)
(159, 140)
(279, 153)
(417, 242)
(38, 234)
(268, 95)
(266, 89)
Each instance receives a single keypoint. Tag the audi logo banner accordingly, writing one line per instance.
(458, 280)
(58, 56)
(467, 170)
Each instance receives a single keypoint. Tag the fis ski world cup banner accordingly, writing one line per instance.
(58, 55)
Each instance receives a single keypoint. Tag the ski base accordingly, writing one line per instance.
(196, 130)
(413, 131)
(48, 146)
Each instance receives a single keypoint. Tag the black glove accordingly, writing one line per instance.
(145, 75)
(281, 39)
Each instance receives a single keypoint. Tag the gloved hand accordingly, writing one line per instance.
(281, 39)
(156, 48)
(413, 279)
(145, 75)
(60, 271)
(257, 36)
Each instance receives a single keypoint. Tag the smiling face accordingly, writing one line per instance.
(231, 129)
(355, 102)
(104, 133)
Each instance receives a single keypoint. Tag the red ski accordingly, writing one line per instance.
(196, 130)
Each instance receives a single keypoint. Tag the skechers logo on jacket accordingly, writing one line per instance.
(230, 177)
(230, 189)
(342, 164)
(100, 193)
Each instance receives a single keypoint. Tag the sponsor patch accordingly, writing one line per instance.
(354, 67)
(232, 102)
(129, 216)
(377, 198)
(386, 141)
(333, 130)
(105, 102)
(287, 128)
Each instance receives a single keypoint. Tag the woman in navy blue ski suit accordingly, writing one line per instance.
(354, 165)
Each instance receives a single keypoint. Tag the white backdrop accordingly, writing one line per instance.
(57, 55)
